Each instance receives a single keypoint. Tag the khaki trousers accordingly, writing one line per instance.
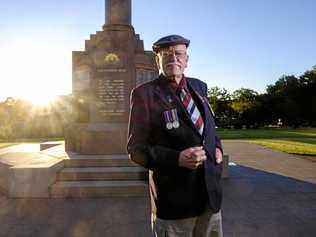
(208, 224)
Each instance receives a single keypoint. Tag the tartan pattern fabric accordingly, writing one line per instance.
(192, 110)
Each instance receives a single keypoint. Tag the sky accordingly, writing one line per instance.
(234, 43)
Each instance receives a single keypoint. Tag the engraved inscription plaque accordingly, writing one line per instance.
(110, 97)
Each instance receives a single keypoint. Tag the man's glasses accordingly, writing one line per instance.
(170, 53)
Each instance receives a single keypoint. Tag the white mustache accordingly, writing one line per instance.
(173, 63)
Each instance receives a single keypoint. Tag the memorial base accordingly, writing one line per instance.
(96, 138)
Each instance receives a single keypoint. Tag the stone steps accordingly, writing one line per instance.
(99, 176)
(102, 173)
(98, 161)
(94, 189)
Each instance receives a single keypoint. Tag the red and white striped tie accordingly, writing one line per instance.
(192, 109)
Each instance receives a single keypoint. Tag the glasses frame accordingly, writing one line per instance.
(172, 52)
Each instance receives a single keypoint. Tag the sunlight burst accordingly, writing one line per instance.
(35, 71)
(40, 100)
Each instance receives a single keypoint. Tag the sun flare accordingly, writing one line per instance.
(35, 71)
(40, 100)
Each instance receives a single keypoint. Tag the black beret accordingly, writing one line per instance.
(170, 40)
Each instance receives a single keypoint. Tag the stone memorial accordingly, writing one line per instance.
(113, 63)
(94, 162)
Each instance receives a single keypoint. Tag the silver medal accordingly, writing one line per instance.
(175, 124)
(175, 119)
(169, 125)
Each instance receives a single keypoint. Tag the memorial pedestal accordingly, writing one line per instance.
(113, 63)
(97, 138)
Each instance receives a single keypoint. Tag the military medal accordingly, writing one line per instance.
(175, 124)
(171, 119)
(168, 119)
(175, 118)
(169, 126)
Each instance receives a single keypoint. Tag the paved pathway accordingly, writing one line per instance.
(268, 194)
(265, 159)
(113, 217)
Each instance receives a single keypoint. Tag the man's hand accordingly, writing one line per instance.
(192, 157)
(219, 156)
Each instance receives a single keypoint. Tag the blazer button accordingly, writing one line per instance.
(203, 142)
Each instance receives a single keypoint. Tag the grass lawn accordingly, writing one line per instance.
(293, 141)
(268, 133)
(303, 146)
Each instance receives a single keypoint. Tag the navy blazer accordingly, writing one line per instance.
(176, 192)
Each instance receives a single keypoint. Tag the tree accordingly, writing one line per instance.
(291, 97)
(220, 100)
(307, 95)
(244, 102)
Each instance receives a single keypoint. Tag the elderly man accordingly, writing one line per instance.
(172, 133)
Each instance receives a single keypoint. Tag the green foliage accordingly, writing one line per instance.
(290, 99)
(233, 109)
(220, 101)
(243, 100)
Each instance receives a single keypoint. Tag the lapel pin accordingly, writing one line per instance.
(169, 99)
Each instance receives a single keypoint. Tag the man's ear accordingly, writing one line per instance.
(157, 61)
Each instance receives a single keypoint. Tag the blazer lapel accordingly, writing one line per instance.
(164, 95)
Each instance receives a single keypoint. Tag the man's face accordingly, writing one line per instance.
(173, 60)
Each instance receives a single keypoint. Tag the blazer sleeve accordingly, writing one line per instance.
(218, 142)
(140, 147)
